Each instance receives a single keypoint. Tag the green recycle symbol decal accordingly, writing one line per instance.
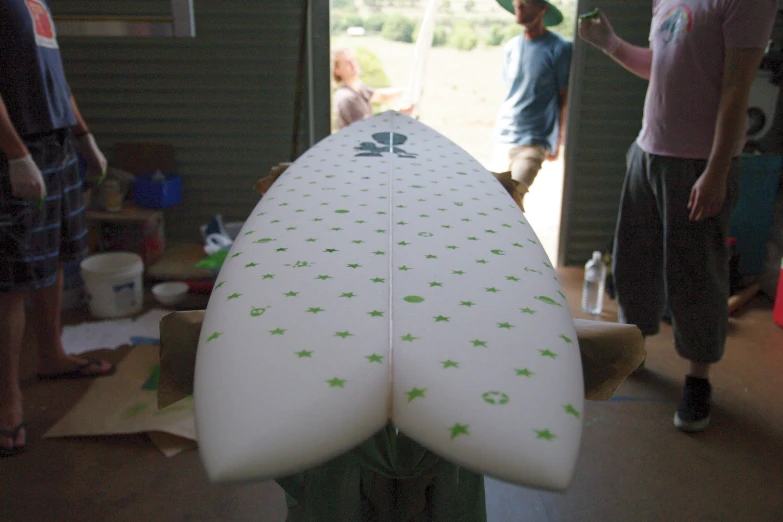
(495, 398)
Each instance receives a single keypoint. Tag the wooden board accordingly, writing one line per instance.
(387, 274)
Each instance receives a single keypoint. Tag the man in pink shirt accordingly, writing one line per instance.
(682, 178)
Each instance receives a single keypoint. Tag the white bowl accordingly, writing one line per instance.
(170, 294)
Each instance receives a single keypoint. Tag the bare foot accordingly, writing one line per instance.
(10, 419)
(68, 364)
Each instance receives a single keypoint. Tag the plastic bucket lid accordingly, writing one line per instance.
(112, 264)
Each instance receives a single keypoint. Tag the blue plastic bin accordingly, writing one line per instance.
(752, 218)
(152, 193)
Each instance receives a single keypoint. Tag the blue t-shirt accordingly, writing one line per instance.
(32, 80)
(534, 73)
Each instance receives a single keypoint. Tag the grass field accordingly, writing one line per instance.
(462, 95)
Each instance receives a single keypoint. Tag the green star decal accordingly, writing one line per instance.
(375, 313)
(473, 239)
(349, 295)
(524, 372)
(343, 335)
(450, 364)
(430, 256)
(477, 343)
(529, 311)
(566, 339)
(220, 284)
(236, 255)
(380, 231)
(467, 303)
(481, 261)
(492, 290)
(310, 240)
(315, 310)
(518, 245)
(401, 223)
(512, 278)
(458, 272)
(353, 265)
(233, 296)
(357, 241)
(374, 358)
(304, 354)
(291, 294)
(570, 410)
(277, 331)
(505, 325)
(214, 336)
(409, 338)
(251, 265)
(441, 319)
(379, 253)
(452, 247)
(269, 276)
(324, 277)
(336, 383)
(459, 429)
(404, 268)
(416, 393)
(331, 250)
(434, 284)
(403, 243)
(548, 353)
(545, 434)
(378, 280)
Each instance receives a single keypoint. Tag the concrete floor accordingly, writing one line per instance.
(634, 466)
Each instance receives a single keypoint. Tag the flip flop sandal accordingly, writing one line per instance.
(12, 434)
(79, 372)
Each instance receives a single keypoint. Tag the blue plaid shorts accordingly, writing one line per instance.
(33, 241)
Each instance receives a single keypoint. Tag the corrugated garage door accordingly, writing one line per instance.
(604, 118)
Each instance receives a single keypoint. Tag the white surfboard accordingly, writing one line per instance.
(388, 275)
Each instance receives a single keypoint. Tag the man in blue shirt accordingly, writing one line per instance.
(531, 123)
(42, 221)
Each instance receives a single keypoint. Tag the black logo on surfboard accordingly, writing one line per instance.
(385, 142)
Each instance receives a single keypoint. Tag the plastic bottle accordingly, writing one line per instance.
(595, 281)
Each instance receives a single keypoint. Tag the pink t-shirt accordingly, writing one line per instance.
(689, 39)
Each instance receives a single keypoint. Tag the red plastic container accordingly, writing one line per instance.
(777, 312)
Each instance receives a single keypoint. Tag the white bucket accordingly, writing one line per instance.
(113, 284)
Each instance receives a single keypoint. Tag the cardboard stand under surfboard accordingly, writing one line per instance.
(387, 276)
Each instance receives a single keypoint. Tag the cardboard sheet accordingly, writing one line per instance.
(126, 403)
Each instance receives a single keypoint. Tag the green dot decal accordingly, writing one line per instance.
(341, 211)
(413, 299)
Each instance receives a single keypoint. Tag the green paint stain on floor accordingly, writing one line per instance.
(152, 381)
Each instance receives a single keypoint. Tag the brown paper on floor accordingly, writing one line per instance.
(610, 352)
(126, 403)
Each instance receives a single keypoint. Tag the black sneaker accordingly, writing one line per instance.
(693, 415)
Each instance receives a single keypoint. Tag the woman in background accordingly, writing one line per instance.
(353, 98)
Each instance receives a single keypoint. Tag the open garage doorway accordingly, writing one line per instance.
(462, 82)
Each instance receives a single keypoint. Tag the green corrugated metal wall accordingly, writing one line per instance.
(605, 116)
(224, 100)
